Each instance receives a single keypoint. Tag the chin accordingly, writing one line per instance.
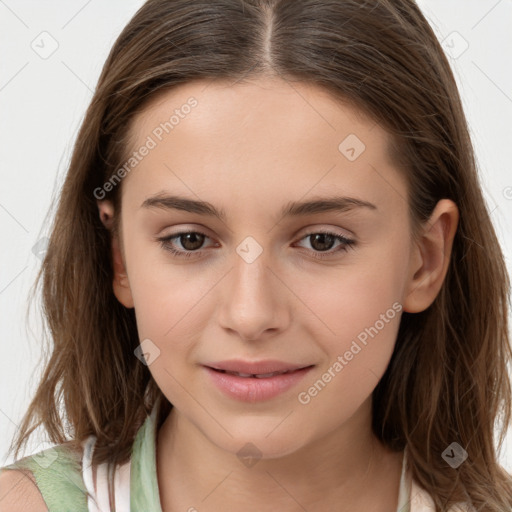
(251, 440)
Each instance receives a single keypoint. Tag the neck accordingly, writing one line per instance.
(332, 473)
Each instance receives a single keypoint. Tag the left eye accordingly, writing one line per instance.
(320, 241)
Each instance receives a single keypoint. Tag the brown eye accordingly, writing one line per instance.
(322, 244)
(322, 241)
(191, 241)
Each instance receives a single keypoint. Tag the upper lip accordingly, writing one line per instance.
(255, 367)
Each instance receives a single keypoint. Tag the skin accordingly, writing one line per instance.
(250, 148)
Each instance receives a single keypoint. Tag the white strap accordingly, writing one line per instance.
(405, 486)
(122, 487)
(87, 473)
(97, 500)
(102, 487)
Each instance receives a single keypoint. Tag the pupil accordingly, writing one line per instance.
(323, 245)
(195, 238)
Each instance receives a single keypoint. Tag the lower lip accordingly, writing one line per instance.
(252, 389)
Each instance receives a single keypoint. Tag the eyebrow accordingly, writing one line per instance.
(291, 209)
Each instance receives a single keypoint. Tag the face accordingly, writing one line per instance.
(317, 290)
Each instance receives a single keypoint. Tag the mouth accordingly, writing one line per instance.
(256, 375)
(255, 381)
(264, 368)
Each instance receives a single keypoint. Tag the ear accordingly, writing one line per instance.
(430, 257)
(120, 282)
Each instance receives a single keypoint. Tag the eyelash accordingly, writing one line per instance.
(346, 244)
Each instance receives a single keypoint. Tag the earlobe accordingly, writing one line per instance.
(430, 257)
(120, 282)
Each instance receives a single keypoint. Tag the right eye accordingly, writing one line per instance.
(189, 240)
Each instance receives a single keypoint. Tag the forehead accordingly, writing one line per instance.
(305, 111)
(267, 136)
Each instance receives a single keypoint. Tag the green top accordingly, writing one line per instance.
(59, 478)
(58, 475)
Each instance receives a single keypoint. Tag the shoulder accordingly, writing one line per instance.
(44, 481)
(19, 492)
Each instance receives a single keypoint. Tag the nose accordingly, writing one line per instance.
(254, 304)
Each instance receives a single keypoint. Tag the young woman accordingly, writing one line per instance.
(272, 281)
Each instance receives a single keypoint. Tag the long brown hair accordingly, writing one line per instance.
(447, 380)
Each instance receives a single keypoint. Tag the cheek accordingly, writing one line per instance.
(351, 298)
(364, 316)
(358, 310)
(165, 299)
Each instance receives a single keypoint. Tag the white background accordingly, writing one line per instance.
(42, 102)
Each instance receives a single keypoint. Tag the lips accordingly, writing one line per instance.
(258, 369)
(255, 375)
(255, 381)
